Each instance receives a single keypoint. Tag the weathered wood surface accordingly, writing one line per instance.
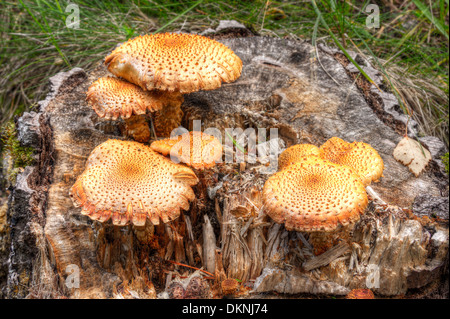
(280, 87)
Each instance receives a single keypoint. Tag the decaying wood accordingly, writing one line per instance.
(209, 246)
(327, 257)
(293, 282)
(243, 236)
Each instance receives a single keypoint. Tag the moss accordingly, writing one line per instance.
(21, 156)
(10, 148)
(445, 161)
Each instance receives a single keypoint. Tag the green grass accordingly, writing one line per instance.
(410, 48)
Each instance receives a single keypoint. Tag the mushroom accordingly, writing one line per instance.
(295, 153)
(195, 149)
(230, 286)
(176, 63)
(315, 196)
(359, 156)
(360, 294)
(129, 182)
(112, 98)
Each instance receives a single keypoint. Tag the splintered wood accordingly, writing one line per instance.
(243, 238)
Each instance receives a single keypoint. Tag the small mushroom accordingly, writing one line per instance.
(112, 98)
(360, 294)
(195, 149)
(315, 196)
(230, 286)
(359, 156)
(128, 182)
(171, 62)
(295, 153)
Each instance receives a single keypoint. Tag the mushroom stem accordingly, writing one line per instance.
(136, 126)
(146, 235)
(322, 241)
(170, 116)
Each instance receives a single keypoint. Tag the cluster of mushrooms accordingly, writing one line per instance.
(316, 189)
(321, 190)
(128, 181)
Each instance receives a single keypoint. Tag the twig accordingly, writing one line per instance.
(184, 265)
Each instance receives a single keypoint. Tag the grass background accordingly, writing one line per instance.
(410, 48)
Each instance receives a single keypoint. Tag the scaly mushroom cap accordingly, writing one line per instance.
(195, 149)
(360, 294)
(314, 195)
(112, 98)
(174, 62)
(359, 156)
(295, 153)
(128, 181)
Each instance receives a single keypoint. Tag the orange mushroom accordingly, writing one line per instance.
(315, 196)
(174, 62)
(295, 153)
(178, 63)
(129, 182)
(112, 98)
(360, 294)
(359, 156)
(195, 149)
(230, 286)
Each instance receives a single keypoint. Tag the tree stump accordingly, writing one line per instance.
(53, 251)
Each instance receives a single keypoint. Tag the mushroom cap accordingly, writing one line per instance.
(360, 294)
(295, 153)
(196, 149)
(314, 195)
(359, 156)
(174, 62)
(112, 98)
(127, 181)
